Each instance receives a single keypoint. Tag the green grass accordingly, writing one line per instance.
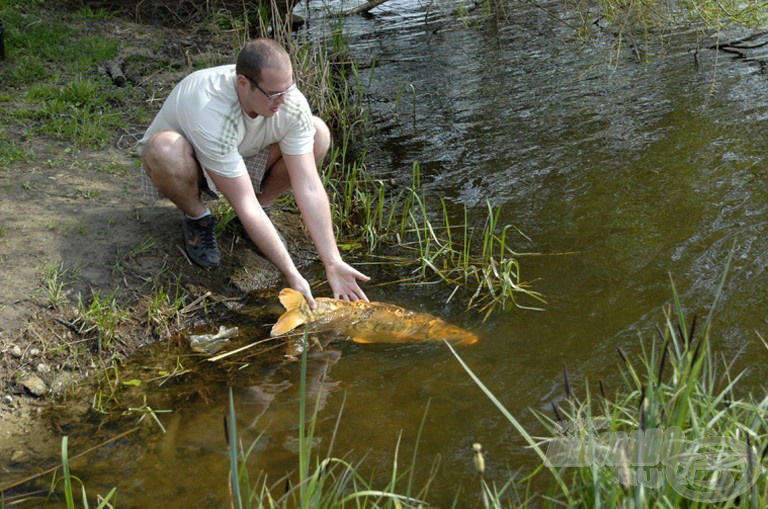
(11, 150)
(54, 283)
(51, 72)
(45, 49)
(101, 316)
(480, 263)
(164, 313)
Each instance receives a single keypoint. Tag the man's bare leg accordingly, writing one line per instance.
(169, 160)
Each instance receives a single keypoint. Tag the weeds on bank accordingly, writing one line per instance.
(10, 149)
(103, 315)
(477, 261)
(164, 313)
(641, 26)
(54, 283)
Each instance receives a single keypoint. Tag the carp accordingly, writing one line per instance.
(365, 322)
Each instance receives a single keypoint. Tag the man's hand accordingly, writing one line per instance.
(302, 286)
(343, 280)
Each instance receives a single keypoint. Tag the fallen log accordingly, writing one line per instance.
(360, 9)
(115, 72)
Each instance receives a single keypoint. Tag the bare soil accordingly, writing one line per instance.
(81, 210)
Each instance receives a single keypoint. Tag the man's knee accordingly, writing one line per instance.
(322, 138)
(168, 151)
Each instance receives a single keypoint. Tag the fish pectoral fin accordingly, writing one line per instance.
(362, 341)
(287, 322)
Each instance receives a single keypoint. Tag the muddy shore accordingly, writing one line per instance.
(73, 228)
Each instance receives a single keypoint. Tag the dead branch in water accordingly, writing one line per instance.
(366, 7)
(72, 458)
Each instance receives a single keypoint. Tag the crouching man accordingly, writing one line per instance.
(246, 132)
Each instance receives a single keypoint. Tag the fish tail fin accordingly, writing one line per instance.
(295, 306)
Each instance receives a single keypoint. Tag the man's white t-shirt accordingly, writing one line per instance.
(205, 109)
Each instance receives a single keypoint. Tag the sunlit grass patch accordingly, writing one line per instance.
(481, 263)
(40, 48)
(52, 80)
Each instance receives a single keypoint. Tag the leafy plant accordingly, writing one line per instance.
(103, 314)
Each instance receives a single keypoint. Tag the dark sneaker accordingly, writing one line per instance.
(200, 241)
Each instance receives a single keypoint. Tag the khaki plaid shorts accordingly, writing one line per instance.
(256, 166)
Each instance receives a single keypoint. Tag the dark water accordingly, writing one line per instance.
(643, 171)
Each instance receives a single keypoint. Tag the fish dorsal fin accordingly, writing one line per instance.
(290, 298)
(295, 304)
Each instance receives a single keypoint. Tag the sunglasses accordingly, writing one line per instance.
(269, 96)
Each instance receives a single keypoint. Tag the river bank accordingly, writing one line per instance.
(90, 273)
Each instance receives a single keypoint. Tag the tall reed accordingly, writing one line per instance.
(69, 490)
(675, 434)
(372, 215)
(324, 480)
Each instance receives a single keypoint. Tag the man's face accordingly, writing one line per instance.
(265, 97)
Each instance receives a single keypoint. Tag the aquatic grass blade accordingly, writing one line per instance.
(68, 495)
(234, 478)
(415, 452)
(531, 442)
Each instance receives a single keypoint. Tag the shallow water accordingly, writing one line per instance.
(641, 172)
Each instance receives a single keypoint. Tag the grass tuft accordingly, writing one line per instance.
(675, 434)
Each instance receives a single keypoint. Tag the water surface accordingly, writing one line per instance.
(642, 171)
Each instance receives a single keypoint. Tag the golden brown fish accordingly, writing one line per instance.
(365, 322)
